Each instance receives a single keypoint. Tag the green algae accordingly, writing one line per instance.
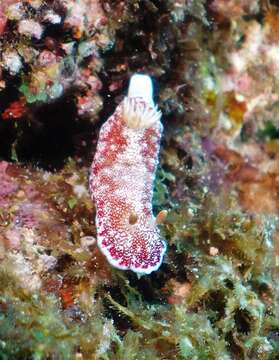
(31, 97)
(31, 325)
(230, 307)
(269, 132)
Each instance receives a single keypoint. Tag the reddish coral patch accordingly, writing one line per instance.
(16, 109)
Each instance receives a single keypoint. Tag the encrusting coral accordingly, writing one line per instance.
(215, 295)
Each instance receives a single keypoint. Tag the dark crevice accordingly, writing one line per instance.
(121, 321)
(242, 321)
(216, 302)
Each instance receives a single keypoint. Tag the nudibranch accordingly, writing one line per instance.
(122, 180)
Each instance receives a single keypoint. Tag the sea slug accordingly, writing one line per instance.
(121, 181)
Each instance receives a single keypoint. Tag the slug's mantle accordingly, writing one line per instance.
(121, 182)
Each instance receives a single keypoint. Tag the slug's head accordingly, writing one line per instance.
(139, 111)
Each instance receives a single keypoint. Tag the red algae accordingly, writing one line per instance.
(16, 110)
(3, 21)
(9, 185)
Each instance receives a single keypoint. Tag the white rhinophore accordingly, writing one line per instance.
(141, 86)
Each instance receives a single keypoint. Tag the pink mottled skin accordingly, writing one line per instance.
(121, 184)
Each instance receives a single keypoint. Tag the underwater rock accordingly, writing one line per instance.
(36, 54)
(30, 28)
